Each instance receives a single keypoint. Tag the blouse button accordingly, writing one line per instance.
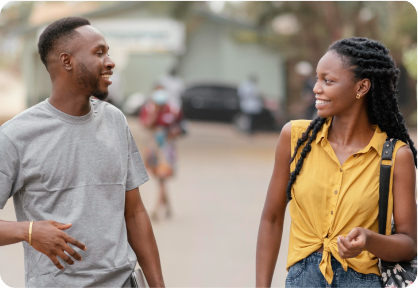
(332, 212)
(335, 192)
(341, 170)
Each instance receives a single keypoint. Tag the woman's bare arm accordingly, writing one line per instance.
(401, 246)
(271, 224)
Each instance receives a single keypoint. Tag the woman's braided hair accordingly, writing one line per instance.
(370, 59)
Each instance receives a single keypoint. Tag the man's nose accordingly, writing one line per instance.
(109, 63)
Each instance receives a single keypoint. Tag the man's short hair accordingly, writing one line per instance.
(57, 32)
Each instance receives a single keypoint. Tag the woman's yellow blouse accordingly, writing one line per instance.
(330, 199)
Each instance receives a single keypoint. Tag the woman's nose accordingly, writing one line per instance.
(317, 89)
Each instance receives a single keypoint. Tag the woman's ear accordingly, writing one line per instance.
(363, 87)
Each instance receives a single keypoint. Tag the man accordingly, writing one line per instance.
(250, 102)
(73, 168)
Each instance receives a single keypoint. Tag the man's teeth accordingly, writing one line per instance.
(321, 102)
(107, 77)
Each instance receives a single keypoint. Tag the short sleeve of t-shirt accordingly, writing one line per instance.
(137, 174)
(10, 174)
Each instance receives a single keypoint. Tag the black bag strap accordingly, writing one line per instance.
(384, 183)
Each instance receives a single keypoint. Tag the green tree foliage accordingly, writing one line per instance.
(410, 61)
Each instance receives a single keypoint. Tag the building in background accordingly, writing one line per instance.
(145, 43)
(213, 42)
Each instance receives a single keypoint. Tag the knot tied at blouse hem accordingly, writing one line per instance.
(330, 247)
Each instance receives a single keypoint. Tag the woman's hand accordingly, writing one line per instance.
(353, 244)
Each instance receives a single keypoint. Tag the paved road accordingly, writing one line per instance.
(218, 196)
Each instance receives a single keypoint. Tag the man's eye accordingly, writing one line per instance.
(327, 81)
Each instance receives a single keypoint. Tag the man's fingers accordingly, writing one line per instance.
(65, 257)
(72, 253)
(76, 243)
(61, 226)
(56, 262)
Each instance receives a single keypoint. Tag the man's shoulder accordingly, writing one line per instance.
(27, 118)
(106, 106)
(108, 109)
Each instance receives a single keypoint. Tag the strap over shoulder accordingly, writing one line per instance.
(384, 182)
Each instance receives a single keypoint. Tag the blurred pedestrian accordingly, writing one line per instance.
(73, 169)
(333, 191)
(305, 108)
(251, 103)
(174, 85)
(162, 120)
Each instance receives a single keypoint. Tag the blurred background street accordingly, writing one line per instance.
(208, 56)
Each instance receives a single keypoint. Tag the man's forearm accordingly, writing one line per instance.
(13, 232)
(142, 240)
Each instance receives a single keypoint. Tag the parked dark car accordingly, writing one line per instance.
(221, 103)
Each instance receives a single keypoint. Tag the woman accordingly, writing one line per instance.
(333, 191)
(162, 120)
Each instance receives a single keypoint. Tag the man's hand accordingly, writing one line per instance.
(353, 244)
(49, 239)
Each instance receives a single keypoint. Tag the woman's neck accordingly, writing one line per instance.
(351, 130)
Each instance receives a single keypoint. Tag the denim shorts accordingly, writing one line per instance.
(306, 273)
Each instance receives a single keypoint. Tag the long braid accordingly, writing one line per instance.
(304, 137)
(370, 59)
(315, 125)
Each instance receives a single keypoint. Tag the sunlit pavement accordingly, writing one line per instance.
(217, 196)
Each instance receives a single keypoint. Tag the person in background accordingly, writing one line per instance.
(174, 85)
(305, 108)
(250, 101)
(162, 120)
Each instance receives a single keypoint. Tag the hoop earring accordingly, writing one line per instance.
(358, 96)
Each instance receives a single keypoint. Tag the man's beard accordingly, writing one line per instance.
(86, 79)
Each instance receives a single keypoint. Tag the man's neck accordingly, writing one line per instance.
(70, 102)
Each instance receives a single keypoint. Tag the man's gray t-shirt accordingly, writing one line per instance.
(73, 170)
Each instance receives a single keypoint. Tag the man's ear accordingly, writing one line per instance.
(65, 60)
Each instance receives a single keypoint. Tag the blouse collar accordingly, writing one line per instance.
(376, 142)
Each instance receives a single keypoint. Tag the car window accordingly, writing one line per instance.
(199, 92)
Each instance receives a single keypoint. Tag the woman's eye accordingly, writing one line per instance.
(327, 81)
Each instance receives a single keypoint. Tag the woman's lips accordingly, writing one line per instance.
(321, 103)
